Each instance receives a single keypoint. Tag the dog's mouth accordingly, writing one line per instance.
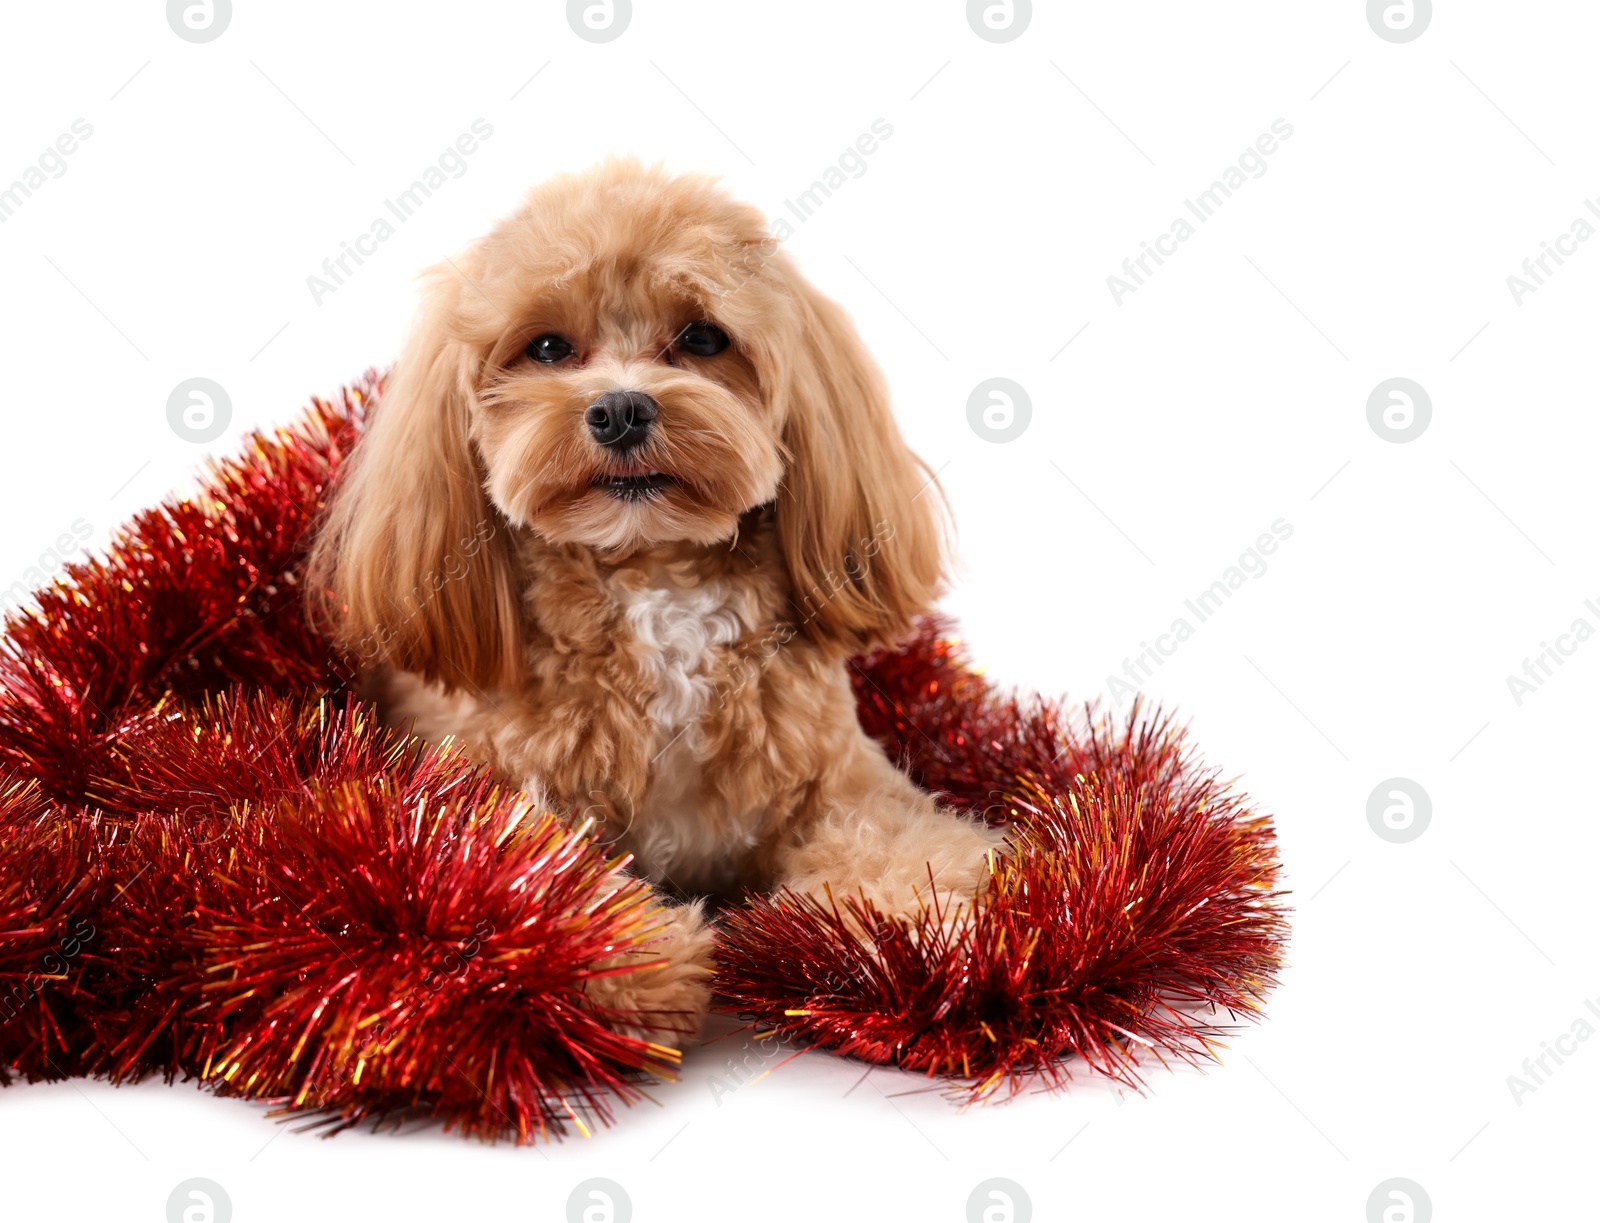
(640, 486)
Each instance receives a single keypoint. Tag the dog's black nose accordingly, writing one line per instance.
(621, 418)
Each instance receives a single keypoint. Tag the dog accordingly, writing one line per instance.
(633, 497)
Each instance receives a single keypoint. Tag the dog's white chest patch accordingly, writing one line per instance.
(675, 628)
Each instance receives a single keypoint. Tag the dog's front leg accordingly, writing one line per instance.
(870, 833)
(658, 990)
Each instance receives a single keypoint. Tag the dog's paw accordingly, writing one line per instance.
(660, 992)
(889, 845)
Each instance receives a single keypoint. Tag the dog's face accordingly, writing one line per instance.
(621, 403)
(627, 361)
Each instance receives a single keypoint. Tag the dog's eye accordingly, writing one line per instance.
(702, 339)
(548, 349)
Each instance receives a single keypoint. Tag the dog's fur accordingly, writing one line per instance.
(673, 664)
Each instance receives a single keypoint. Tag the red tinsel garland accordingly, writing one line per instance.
(214, 863)
(1138, 899)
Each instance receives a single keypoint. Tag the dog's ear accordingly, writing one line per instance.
(861, 518)
(412, 566)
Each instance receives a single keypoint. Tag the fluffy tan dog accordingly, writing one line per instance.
(632, 499)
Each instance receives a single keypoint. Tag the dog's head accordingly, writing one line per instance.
(627, 361)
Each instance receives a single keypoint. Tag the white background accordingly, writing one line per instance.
(1227, 392)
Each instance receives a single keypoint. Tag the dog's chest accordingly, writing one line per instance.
(677, 636)
(677, 642)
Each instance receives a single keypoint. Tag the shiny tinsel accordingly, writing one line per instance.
(284, 899)
(215, 864)
(1136, 909)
